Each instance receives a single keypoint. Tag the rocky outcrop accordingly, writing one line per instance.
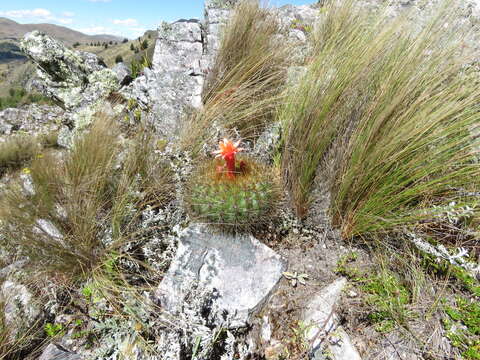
(175, 82)
(184, 52)
(78, 81)
(240, 270)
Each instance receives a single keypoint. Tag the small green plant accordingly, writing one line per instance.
(53, 330)
(467, 337)
(238, 194)
(389, 300)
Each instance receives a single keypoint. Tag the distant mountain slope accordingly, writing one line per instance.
(11, 30)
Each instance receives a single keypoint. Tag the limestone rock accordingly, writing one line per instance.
(241, 270)
(57, 352)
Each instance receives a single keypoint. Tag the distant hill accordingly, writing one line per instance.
(13, 31)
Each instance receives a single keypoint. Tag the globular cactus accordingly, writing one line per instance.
(238, 196)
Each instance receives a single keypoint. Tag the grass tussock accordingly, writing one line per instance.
(79, 198)
(393, 112)
(242, 88)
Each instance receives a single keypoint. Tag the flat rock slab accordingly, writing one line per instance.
(56, 352)
(242, 270)
(320, 316)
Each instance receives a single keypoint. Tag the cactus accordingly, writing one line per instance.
(238, 198)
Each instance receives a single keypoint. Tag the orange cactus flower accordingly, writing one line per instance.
(227, 151)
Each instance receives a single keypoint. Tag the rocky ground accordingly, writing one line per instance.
(294, 290)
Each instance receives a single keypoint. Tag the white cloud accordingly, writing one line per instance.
(21, 14)
(126, 22)
(96, 30)
(39, 14)
(64, 21)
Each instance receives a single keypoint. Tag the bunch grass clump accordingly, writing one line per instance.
(389, 113)
(80, 198)
(243, 87)
(241, 203)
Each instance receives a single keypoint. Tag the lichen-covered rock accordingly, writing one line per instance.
(30, 118)
(21, 312)
(241, 270)
(79, 81)
(58, 63)
(174, 85)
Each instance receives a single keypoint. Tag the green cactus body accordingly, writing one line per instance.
(243, 202)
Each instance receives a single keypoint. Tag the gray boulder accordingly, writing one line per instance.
(123, 73)
(240, 270)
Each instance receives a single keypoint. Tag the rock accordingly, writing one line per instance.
(12, 268)
(79, 81)
(124, 74)
(21, 313)
(174, 84)
(320, 315)
(30, 118)
(57, 352)
(241, 270)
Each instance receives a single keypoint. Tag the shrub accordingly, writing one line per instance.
(80, 198)
(118, 59)
(392, 111)
(144, 44)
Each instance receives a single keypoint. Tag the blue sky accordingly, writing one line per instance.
(129, 18)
